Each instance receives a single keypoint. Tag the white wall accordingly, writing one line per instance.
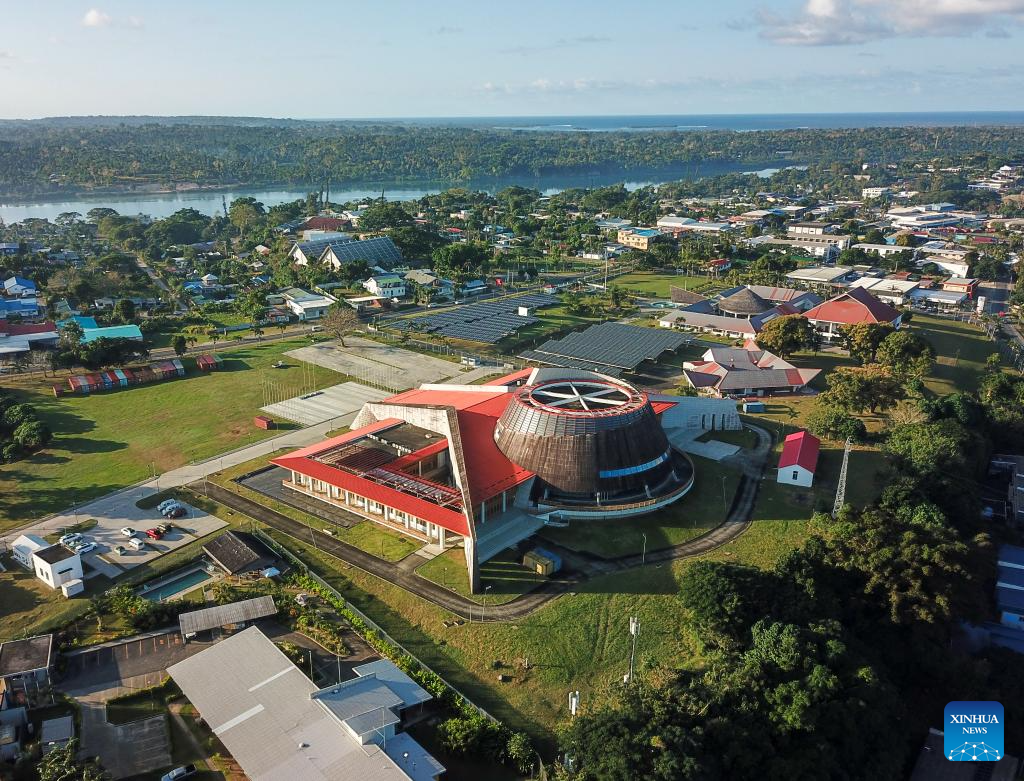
(795, 475)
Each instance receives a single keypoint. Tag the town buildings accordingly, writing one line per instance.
(745, 371)
(852, 307)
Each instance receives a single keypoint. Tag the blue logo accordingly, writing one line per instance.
(973, 732)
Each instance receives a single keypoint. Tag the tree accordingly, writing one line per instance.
(520, 752)
(60, 764)
(910, 558)
(828, 421)
(855, 389)
(245, 213)
(340, 320)
(32, 435)
(787, 335)
(724, 598)
(863, 339)
(931, 449)
(906, 354)
(124, 310)
(382, 215)
(179, 344)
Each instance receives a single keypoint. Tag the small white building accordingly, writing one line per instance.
(799, 459)
(25, 546)
(305, 305)
(56, 566)
(385, 286)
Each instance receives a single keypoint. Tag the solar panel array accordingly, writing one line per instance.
(608, 347)
(487, 321)
(378, 251)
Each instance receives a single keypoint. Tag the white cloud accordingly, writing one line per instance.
(94, 17)
(846, 22)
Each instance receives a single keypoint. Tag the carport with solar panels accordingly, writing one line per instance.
(608, 348)
(487, 321)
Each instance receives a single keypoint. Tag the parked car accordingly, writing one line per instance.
(120, 550)
(136, 544)
(84, 547)
(179, 772)
(165, 504)
(70, 539)
(163, 528)
(154, 534)
(128, 531)
(166, 512)
(177, 512)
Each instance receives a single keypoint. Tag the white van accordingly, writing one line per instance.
(136, 544)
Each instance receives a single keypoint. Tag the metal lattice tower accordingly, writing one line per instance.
(841, 488)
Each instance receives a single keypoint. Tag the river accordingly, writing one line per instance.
(159, 205)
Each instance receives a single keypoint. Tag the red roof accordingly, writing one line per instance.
(854, 306)
(325, 223)
(26, 329)
(800, 449)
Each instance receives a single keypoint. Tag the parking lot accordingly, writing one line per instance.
(382, 365)
(107, 536)
(144, 658)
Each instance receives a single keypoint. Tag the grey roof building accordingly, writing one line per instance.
(232, 614)
(278, 725)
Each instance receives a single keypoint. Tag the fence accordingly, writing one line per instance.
(296, 561)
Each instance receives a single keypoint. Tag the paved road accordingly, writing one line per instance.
(737, 521)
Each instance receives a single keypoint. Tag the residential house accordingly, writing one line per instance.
(799, 459)
(800, 229)
(671, 223)
(57, 566)
(17, 287)
(964, 285)
(852, 307)
(25, 669)
(9, 248)
(893, 291)
(385, 285)
(305, 305)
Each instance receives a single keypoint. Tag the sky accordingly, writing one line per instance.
(412, 58)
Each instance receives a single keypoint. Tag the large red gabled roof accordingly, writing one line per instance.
(800, 449)
(856, 305)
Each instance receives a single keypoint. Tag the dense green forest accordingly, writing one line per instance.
(65, 154)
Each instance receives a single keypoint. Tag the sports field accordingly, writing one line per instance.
(109, 440)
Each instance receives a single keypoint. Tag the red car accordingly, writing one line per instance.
(155, 534)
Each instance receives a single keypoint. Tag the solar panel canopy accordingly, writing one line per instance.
(607, 347)
(486, 321)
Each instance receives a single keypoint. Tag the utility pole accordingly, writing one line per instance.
(643, 553)
(634, 630)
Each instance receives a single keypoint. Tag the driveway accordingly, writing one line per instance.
(126, 749)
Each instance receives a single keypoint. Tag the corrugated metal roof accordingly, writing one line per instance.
(800, 449)
(223, 615)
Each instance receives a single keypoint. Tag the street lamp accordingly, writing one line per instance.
(483, 607)
(643, 553)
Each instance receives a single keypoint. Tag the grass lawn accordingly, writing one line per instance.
(367, 535)
(961, 350)
(109, 440)
(744, 438)
(659, 284)
(701, 509)
(504, 574)
(576, 641)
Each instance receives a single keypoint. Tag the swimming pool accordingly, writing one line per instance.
(175, 585)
